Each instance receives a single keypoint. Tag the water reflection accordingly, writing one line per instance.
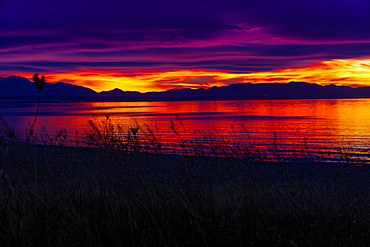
(317, 123)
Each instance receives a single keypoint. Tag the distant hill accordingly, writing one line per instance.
(292, 90)
(18, 86)
(15, 86)
(119, 93)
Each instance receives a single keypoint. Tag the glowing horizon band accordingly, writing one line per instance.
(347, 72)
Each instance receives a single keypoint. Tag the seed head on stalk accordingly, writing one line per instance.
(39, 82)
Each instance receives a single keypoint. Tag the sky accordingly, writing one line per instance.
(145, 45)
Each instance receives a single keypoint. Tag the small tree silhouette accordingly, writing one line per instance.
(39, 82)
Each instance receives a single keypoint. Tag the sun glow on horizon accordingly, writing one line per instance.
(349, 72)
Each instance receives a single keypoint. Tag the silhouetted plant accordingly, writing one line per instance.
(39, 82)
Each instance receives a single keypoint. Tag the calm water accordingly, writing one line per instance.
(320, 124)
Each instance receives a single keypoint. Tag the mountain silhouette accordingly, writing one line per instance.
(292, 90)
(19, 86)
(119, 93)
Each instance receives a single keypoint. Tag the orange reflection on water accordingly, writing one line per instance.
(319, 124)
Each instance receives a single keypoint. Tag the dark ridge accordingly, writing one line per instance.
(15, 88)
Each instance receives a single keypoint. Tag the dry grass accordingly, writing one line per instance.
(109, 194)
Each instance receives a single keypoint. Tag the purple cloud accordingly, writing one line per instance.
(233, 36)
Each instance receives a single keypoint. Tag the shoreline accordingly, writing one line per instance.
(88, 99)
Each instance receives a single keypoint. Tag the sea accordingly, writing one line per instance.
(316, 127)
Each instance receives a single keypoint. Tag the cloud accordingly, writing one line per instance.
(166, 22)
(232, 59)
(339, 72)
(309, 21)
(132, 38)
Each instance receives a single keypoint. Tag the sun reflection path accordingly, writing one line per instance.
(318, 126)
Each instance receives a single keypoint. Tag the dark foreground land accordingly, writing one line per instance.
(65, 196)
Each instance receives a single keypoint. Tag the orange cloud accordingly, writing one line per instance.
(348, 72)
(339, 72)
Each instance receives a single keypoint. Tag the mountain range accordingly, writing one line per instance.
(22, 88)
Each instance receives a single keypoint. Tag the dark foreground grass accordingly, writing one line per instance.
(78, 196)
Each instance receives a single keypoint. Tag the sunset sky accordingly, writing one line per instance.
(158, 45)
